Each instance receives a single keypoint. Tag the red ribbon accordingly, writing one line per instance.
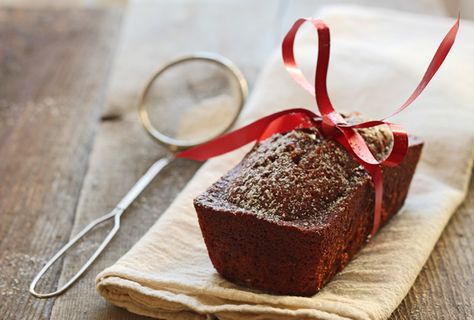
(330, 123)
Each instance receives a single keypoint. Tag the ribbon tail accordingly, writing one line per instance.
(438, 58)
(353, 142)
(376, 174)
(251, 132)
(286, 123)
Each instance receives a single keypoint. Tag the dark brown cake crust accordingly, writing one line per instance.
(296, 210)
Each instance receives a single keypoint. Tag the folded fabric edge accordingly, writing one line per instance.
(121, 277)
(158, 303)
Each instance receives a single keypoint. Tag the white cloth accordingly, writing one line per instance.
(377, 59)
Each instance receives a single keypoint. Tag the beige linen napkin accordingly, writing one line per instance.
(377, 59)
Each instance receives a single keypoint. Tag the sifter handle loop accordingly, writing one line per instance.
(115, 213)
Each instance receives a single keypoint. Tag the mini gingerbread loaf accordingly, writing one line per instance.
(297, 208)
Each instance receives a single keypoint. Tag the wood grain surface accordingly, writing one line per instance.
(68, 155)
(444, 288)
(50, 102)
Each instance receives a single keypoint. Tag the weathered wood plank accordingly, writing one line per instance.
(53, 68)
(444, 288)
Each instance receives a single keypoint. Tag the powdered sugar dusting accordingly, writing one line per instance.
(297, 176)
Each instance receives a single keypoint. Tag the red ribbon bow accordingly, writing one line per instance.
(330, 123)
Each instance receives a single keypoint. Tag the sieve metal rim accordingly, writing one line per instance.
(176, 144)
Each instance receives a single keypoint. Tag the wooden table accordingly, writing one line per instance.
(67, 156)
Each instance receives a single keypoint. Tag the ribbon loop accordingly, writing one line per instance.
(319, 90)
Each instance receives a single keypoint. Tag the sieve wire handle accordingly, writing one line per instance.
(116, 213)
